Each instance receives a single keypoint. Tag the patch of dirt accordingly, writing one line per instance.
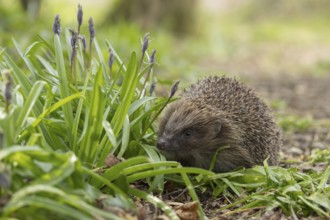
(304, 94)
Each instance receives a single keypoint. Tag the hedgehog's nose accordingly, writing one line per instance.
(161, 144)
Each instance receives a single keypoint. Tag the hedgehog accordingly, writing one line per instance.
(221, 118)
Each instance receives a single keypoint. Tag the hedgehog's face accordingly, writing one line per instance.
(185, 128)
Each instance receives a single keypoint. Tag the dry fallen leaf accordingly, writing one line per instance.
(142, 213)
(188, 211)
(111, 160)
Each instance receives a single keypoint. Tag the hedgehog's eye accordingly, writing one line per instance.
(188, 132)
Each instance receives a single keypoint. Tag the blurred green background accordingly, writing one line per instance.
(246, 39)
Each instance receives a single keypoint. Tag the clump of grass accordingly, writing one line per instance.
(295, 123)
(319, 155)
(62, 120)
(269, 188)
(278, 104)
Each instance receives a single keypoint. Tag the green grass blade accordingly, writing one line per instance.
(64, 84)
(26, 59)
(57, 105)
(314, 206)
(29, 104)
(59, 174)
(19, 77)
(148, 166)
(48, 204)
(94, 121)
(105, 182)
(15, 148)
(324, 179)
(126, 94)
(139, 103)
(193, 194)
(31, 49)
(115, 171)
(52, 72)
(321, 199)
(76, 202)
(150, 173)
(110, 134)
(125, 137)
(102, 62)
(232, 187)
(151, 152)
(78, 114)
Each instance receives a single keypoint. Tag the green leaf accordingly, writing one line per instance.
(48, 204)
(152, 152)
(126, 94)
(114, 171)
(64, 84)
(20, 77)
(94, 122)
(122, 183)
(26, 59)
(76, 202)
(125, 137)
(29, 104)
(102, 62)
(110, 134)
(13, 149)
(321, 199)
(138, 103)
(60, 173)
(148, 166)
(78, 114)
(150, 173)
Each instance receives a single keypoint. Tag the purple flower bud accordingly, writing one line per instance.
(57, 25)
(79, 15)
(152, 87)
(7, 92)
(111, 58)
(174, 88)
(83, 41)
(73, 54)
(74, 39)
(91, 28)
(152, 57)
(145, 44)
(8, 86)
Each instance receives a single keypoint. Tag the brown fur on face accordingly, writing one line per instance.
(214, 113)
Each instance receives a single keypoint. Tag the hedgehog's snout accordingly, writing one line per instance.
(161, 144)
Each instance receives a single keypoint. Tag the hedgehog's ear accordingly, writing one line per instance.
(216, 127)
